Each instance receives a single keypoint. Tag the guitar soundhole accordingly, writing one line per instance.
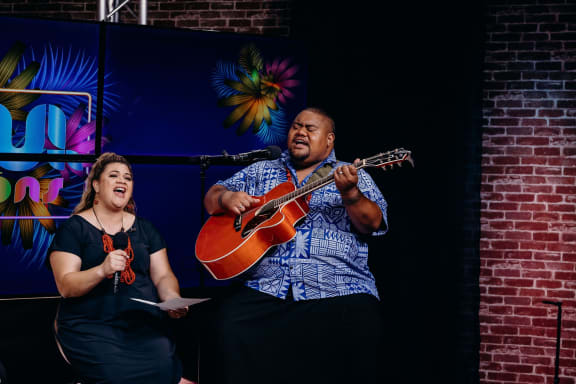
(256, 221)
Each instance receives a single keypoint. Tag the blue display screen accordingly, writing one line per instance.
(79, 88)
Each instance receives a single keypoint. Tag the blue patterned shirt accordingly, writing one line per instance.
(326, 258)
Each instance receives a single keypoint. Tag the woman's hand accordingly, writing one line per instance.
(178, 313)
(114, 261)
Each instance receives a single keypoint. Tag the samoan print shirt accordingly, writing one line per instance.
(326, 258)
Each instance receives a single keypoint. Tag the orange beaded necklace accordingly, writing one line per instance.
(127, 276)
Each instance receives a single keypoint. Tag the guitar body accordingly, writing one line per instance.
(228, 245)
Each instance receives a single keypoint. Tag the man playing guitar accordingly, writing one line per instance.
(308, 310)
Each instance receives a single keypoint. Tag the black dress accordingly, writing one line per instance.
(110, 338)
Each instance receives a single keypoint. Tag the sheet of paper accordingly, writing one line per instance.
(177, 303)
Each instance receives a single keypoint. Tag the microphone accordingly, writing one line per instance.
(120, 241)
(271, 152)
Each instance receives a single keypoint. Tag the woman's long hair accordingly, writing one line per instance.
(87, 200)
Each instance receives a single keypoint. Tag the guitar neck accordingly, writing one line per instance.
(306, 189)
(381, 160)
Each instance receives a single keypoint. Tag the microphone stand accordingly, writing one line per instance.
(204, 164)
(205, 161)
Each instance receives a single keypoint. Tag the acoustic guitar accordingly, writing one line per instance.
(229, 244)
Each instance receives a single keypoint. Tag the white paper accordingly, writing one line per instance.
(177, 303)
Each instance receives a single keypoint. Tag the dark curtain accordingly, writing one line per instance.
(406, 74)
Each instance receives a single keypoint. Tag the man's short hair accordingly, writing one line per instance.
(323, 112)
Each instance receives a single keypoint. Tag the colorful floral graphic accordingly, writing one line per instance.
(15, 101)
(79, 139)
(69, 71)
(256, 92)
(28, 207)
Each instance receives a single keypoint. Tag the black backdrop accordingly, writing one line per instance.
(407, 75)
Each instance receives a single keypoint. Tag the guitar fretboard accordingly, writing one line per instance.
(381, 160)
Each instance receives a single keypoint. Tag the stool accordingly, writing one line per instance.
(74, 380)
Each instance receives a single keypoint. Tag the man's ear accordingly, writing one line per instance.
(331, 138)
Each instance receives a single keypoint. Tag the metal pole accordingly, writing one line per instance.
(143, 14)
(113, 16)
(102, 10)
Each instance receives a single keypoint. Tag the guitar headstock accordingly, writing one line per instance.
(387, 159)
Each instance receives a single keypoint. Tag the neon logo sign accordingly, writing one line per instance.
(31, 186)
(42, 119)
(43, 122)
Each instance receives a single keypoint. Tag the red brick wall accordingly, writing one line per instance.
(528, 217)
(268, 17)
